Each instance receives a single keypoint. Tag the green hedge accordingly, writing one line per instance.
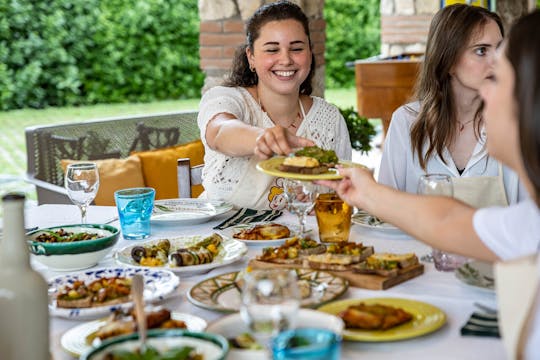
(352, 32)
(71, 52)
(77, 52)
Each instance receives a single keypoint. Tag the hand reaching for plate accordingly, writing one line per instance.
(278, 141)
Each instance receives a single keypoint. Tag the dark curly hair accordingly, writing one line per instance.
(241, 75)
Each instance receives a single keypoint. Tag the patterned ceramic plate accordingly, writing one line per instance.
(76, 340)
(158, 284)
(477, 273)
(371, 222)
(187, 211)
(231, 251)
(426, 319)
(222, 293)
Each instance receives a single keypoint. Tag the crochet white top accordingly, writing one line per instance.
(235, 179)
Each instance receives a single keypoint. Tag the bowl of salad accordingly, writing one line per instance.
(161, 345)
(72, 247)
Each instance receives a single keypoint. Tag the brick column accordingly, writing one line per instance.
(222, 31)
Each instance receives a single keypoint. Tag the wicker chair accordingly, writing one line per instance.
(101, 139)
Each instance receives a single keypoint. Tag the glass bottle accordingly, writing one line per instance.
(24, 312)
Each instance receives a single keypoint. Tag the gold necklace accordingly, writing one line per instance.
(462, 125)
(293, 123)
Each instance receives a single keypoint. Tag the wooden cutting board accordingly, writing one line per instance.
(365, 281)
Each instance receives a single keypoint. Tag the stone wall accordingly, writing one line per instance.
(222, 31)
(405, 23)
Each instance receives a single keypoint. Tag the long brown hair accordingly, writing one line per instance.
(450, 30)
(241, 74)
(523, 52)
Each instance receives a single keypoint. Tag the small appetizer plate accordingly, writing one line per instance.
(478, 274)
(210, 346)
(232, 325)
(223, 292)
(230, 231)
(187, 211)
(158, 285)
(231, 250)
(426, 319)
(271, 167)
(76, 341)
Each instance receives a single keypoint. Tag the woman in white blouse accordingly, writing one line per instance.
(443, 131)
(511, 94)
(265, 108)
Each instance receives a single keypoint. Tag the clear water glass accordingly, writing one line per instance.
(270, 302)
(82, 184)
(135, 207)
(440, 185)
(300, 197)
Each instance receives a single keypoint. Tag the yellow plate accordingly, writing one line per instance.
(426, 319)
(271, 167)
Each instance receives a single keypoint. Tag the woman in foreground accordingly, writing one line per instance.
(266, 108)
(512, 115)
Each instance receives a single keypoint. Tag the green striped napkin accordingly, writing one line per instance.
(481, 324)
(246, 216)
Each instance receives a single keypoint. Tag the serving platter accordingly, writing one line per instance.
(230, 231)
(426, 319)
(158, 285)
(187, 211)
(76, 340)
(271, 167)
(223, 292)
(231, 251)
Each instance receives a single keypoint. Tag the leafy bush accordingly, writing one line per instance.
(360, 129)
(70, 52)
(352, 32)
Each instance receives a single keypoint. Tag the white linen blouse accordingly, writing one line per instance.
(236, 179)
(401, 170)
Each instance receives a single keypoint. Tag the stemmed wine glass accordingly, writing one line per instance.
(300, 197)
(82, 183)
(270, 302)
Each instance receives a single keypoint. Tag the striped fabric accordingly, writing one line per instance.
(246, 216)
(481, 324)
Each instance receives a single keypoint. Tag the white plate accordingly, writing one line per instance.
(74, 340)
(368, 221)
(478, 274)
(187, 211)
(231, 251)
(158, 284)
(232, 325)
(230, 231)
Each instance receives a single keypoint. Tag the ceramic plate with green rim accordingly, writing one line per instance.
(478, 274)
(271, 167)
(426, 319)
(222, 292)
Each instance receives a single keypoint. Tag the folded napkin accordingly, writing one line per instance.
(481, 324)
(246, 216)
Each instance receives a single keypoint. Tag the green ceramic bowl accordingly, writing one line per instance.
(74, 255)
(211, 346)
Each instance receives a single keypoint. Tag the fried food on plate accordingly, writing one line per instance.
(271, 231)
(374, 316)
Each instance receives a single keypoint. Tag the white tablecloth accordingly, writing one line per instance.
(441, 289)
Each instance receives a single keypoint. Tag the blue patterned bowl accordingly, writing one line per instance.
(75, 255)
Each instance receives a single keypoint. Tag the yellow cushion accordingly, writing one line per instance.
(159, 167)
(114, 174)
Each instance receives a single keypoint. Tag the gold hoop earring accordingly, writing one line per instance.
(252, 68)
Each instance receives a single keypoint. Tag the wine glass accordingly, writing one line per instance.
(82, 183)
(439, 184)
(270, 302)
(300, 199)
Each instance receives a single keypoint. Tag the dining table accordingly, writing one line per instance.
(440, 289)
